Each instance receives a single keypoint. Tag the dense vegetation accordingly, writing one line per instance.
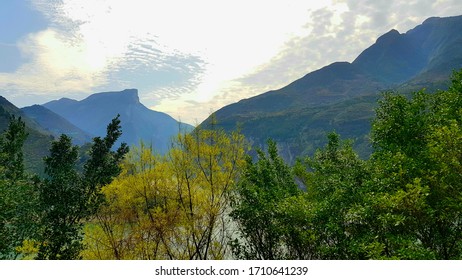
(207, 199)
(42, 218)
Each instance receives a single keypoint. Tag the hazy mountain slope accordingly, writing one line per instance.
(93, 113)
(424, 55)
(37, 143)
(56, 124)
(338, 81)
(446, 50)
(400, 57)
(342, 96)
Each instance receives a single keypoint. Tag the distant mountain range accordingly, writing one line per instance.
(139, 123)
(85, 119)
(342, 96)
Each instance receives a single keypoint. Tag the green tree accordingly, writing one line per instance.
(443, 233)
(68, 198)
(11, 154)
(62, 200)
(334, 179)
(415, 196)
(17, 192)
(103, 165)
(259, 197)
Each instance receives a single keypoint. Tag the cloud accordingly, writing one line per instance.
(175, 50)
(54, 65)
(156, 74)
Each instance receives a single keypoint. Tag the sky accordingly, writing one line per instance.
(187, 58)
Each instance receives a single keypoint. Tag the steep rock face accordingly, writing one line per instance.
(400, 58)
(139, 123)
(427, 52)
(342, 96)
(441, 41)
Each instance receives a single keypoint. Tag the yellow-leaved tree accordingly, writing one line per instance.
(170, 207)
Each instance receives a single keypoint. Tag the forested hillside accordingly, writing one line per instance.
(207, 199)
(38, 141)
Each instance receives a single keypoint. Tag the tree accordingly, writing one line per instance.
(68, 198)
(443, 233)
(173, 206)
(415, 194)
(334, 178)
(103, 165)
(265, 186)
(205, 167)
(17, 192)
(11, 154)
(63, 203)
(139, 214)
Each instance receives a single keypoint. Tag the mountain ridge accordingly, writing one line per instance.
(424, 56)
(56, 124)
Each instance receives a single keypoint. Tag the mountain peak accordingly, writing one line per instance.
(436, 20)
(431, 20)
(390, 36)
(132, 94)
(126, 96)
(56, 124)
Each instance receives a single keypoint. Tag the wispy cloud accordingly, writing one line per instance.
(157, 74)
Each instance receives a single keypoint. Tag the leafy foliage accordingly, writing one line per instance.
(402, 203)
(335, 178)
(170, 207)
(67, 198)
(417, 166)
(17, 192)
(264, 188)
(62, 199)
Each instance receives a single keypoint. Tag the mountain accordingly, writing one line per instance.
(139, 123)
(38, 141)
(56, 124)
(424, 55)
(342, 96)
